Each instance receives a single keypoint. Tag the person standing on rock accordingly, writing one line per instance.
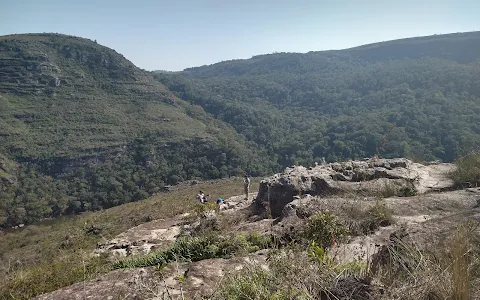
(246, 186)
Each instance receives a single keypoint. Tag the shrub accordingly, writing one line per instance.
(323, 228)
(380, 214)
(199, 209)
(388, 190)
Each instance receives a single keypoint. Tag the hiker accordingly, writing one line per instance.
(219, 202)
(246, 186)
(201, 197)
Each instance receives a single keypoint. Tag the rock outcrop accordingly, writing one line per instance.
(369, 176)
(154, 235)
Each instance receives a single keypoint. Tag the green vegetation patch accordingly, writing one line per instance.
(199, 248)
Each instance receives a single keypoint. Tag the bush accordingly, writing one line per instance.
(390, 189)
(468, 170)
(380, 214)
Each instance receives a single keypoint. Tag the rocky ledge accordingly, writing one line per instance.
(372, 176)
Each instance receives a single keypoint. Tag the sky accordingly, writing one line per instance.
(177, 34)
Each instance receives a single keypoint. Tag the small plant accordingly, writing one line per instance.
(319, 254)
(380, 214)
(324, 229)
(388, 190)
(200, 209)
(407, 191)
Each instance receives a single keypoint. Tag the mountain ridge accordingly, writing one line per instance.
(332, 52)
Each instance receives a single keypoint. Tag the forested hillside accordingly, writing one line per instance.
(82, 128)
(341, 104)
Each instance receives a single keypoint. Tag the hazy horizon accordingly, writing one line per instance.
(160, 35)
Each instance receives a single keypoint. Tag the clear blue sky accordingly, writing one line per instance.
(176, 34)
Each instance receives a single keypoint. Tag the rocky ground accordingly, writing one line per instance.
(425, 204)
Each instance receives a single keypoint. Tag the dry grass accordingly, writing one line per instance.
(365, 218)
(446, 273)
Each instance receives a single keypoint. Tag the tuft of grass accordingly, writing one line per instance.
(461, 261)
(324, 229)
(380, 214)
(467, 172)
(388, 190)
(365, 221)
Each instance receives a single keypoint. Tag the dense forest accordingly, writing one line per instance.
(423, 93)
(81, 128)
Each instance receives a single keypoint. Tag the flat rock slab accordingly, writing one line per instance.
(118, 284)
(154, 235)
(195, 280)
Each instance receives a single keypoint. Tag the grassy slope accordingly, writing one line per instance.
(41, 249)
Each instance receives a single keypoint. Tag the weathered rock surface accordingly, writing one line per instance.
(369, 176)
(154, 235)
(195, 280)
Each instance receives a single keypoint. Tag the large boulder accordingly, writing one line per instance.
(369, 176)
